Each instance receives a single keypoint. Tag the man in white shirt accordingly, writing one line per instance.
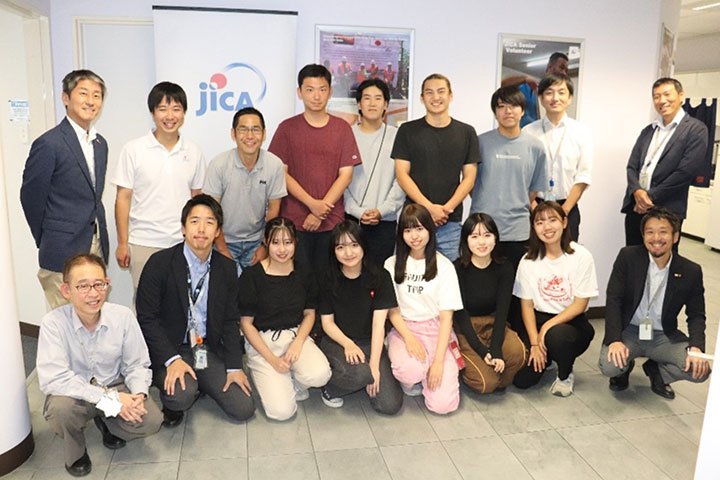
(666, 157)
(568, 148)
(92, 363)
(156, 174)
(63, 184)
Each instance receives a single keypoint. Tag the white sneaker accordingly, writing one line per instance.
(563, 388)
(301, 393)
(412, 391)
(332, 402)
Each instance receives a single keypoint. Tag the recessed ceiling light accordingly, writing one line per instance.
(705, 7)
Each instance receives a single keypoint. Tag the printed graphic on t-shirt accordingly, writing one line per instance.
(416, 289)
(555, 289)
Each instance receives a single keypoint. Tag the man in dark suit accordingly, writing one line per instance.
(187, 306)
(666, 157)
(63, 183)
(648, 287)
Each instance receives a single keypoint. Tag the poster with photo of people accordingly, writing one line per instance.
(524, 60)
(353, 54)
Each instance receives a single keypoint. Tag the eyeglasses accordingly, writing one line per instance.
(257, 131)
(99, 287)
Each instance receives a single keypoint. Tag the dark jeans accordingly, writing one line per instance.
(313, 248)
(633, 234)
(564, 342)
(573, 220)
(210, 380)
(347, 378)
(380, 239)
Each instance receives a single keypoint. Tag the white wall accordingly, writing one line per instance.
(459, 38)
(698, 53)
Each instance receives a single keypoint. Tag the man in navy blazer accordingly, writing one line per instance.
(648, 287)
(63, 183)
(187, 301)
(666, 157)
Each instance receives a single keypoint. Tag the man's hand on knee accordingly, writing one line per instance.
(176, 371)
(700, 367)
(618, 354)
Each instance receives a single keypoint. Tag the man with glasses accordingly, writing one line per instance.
(92, 363)
(155, 175)
(249, 183)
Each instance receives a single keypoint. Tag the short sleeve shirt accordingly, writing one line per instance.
(313, 157)
(353, 304)
(553, 284)
(243, 194)
(437, 157)
(421, 300)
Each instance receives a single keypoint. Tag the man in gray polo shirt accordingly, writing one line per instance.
(249, 183)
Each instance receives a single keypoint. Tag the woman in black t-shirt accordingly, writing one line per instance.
(354, 303)
(493, 352)
(277, 307)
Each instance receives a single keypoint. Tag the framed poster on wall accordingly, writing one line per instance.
(666, 63)
(523, 60)
(353, 54)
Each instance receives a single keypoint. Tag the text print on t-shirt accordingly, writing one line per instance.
(555, 289)
(413, 277)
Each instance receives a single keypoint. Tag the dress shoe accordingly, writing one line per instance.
(81, 467)
(172, 418)
(621, 382)
(109, 440)
(657, 385)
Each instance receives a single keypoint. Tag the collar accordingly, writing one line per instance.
(81, 133)
(258, 164)
(193, 261)
(153, 143)
(654, 265)
(658, 122)
(548, 125)
(77, 323)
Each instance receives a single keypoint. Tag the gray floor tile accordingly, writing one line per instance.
(154, 471)
(695, 392)
(268, 437)
(562, 412)
(485, 459)
(408, 426)
(164, 446)
(52, 456)
(659, 406)
(608, 405)
(300, 466)
(427, 461)
(218, 469)
(356, 464)
(465, 422)
(547, 456)
(658, 441)
(689, 426)
(21, 475)
(610, 455)
(98, 473)
(211, 434)
(510, 412)
(339, 428)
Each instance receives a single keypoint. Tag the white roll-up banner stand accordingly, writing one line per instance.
(227, 59)
(16, 441)
(708, 460)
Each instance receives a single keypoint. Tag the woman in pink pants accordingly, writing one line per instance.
(426, 285)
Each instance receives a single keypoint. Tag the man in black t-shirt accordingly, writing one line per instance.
(430, 155)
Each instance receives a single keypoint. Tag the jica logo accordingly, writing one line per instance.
(214, 95)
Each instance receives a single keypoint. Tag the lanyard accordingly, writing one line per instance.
(367, 187)
(657, 144)
(553, 156)
(194, 295)
(659, 289)
(89, 357)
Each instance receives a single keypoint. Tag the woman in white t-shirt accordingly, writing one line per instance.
(555, 281)
(426, 285)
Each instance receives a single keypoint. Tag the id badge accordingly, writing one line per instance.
(200, 357)
(455, 350)
(192, 336)
(644, 183)
(646, 329)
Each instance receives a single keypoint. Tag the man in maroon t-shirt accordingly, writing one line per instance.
(319, 153)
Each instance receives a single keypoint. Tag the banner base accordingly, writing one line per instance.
(17, 455)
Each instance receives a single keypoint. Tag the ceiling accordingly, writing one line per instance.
(694, 23)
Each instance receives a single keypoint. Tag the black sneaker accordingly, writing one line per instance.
(331, 402)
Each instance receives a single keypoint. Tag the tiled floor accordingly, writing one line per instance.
(593, 434)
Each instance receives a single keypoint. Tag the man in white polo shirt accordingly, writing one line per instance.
(568, 148)
(249, 184)
(156, 174)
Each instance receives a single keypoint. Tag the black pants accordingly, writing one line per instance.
(313, 248)
(210, 380)
(564, 342)
(347, 378)
(573, 217)
(513, 252)
(633, 234)
(380, 239)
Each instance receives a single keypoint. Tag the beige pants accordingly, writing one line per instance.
(51, 281)
(139, 256)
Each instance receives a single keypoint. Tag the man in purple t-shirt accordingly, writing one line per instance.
(319, 153)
